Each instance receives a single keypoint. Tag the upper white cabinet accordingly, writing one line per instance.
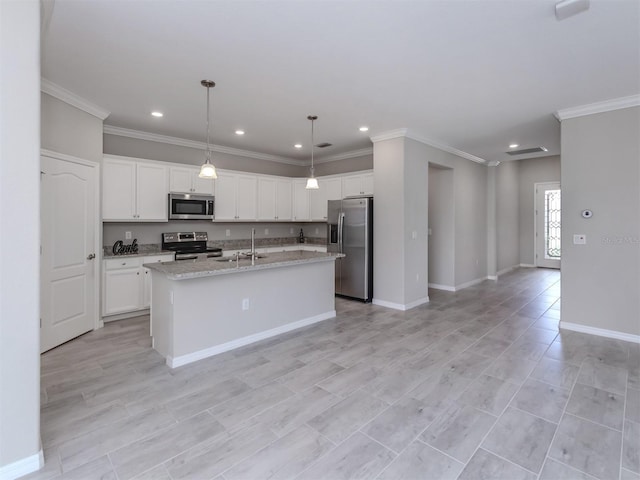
(236, 196)
(186, 180)
(274, 198)
(134, 191)
(361, 184)
(300, 200)
(330, 189)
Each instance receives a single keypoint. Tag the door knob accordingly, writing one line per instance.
(91, 256)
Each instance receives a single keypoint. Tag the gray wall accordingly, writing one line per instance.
(507, 215)
(347, 165)
(441, 223)
(533, 170)
(19, 254)
(601, 172)
(164, 152)
(65, 129)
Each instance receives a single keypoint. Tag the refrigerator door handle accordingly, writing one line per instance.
(340, 227)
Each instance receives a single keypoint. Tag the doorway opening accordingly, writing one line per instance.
(548, 240)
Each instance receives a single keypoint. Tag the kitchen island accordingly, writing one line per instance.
(203, 308)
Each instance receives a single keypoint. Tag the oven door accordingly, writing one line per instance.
(184, 206)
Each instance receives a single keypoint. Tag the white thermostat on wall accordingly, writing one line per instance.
(587, 214)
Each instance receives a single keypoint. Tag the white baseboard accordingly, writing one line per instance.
(601, 332)
(492, 277)
(527, 265)
(400, 306)
(174, 362)
(438, 286)
(507, 270)
(22, 467)
(123, 316)
(470, 284)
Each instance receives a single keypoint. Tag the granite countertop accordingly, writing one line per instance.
(186, 269)
(108, 254)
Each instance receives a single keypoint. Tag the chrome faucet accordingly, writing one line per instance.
(253, 246)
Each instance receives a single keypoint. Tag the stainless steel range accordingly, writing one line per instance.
(189, 245)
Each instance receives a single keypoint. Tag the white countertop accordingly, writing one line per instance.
(186, 269)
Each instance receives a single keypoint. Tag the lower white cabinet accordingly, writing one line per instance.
(127, 284)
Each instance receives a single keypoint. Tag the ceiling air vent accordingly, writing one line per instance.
(324, 145)
(526, 150)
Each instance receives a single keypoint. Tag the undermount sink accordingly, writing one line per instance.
(243, 257)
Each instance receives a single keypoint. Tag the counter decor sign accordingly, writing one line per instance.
(119, 248)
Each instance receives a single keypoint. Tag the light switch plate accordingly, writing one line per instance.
(579, 239)
(127, 235)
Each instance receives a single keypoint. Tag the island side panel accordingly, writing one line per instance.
(161, 314)
(208, 317)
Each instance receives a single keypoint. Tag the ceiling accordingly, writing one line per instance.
(474, 75)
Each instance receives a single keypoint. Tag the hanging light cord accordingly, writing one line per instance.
(208, 157)
(312, 121)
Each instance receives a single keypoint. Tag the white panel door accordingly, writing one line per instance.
(151, 200)
(352, 185)
(547, 231)
(181, 180)
(266, 198)
(204, 186)
(118, 190)
(318, 201)
(284, 199)
(69, 232)
(247, 197)
(300, 200)
(367, 184)
(225, 206)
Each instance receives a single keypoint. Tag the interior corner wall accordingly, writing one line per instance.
(530, 172)
(19, 252)
(164, 152)
(388, 222)
(441, 225)
(69, 130)
(601, 172)
(507, 216)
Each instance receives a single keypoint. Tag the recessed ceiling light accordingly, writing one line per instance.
(298, 145)
(157, 114)
(239, 132)
(364, 129)
(514, 145)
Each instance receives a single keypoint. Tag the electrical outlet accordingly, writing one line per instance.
(227, 232)
(266, 231)
(317, 231)
(417, 277)
(245, 304)
(579, 239)
(127, 235)
(414, 235)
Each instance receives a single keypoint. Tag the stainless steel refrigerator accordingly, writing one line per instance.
(350, 231)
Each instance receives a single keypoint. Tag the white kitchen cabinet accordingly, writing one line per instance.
(361, 184)
(274, 198)
(134, 191)
(127, 284)
(300, 200)
(186, 180)
(330, 189)
(236, 197)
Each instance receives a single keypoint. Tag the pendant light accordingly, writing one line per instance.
(312, 181)
(208, 170)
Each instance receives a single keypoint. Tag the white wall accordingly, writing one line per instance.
(441, 223)
(601, 172)
(20, 237)
(507, 215)
(66, 129)
(531, 171)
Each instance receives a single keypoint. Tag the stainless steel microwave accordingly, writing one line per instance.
(186, 206)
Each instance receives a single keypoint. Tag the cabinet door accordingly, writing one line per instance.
(300, 200)
(351, 185)
(204, 186)
(151, 198)
(247, 197)
(118, 190)
(333, 187)
(367, 183)
(122, 292)
(146, 277)
(225, 197)
(318, 202)
(284, 200)
(181, 180)
(266, 198)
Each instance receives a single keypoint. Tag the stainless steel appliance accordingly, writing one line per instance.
(189, 245)
(350, 231)
(186, 206)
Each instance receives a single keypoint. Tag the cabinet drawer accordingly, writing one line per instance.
(158, 258)
(120, 263)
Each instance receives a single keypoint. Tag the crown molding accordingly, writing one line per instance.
(56, 91)
(598, 107)
(405, 132)
(181, 142)
(493, 163)
(343, 156)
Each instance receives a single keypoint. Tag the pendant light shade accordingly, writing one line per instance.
(208, 170)
(312, 181)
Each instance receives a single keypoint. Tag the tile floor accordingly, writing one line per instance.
(478, 384)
